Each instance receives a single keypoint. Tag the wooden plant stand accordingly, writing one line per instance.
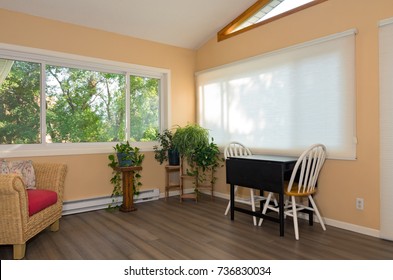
(128, 193)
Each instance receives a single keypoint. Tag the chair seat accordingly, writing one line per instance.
(295, 191)
(40, 199)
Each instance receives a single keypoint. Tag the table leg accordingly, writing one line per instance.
(281, 213)
(232, 199)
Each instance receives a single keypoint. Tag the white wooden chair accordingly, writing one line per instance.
(238, 149)
(306, 172)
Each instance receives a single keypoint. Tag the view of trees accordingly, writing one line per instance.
(81, 106)
(20, 105)
(144, 119)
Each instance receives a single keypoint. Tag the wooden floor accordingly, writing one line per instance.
(167, 230)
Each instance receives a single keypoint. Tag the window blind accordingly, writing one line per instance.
(386, 127)
(284, 101)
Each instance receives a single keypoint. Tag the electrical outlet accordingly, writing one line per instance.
(359, 203)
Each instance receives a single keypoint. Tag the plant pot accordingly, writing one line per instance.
(173, 157)
(124, 159)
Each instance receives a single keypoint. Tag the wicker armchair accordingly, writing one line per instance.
(16, 226)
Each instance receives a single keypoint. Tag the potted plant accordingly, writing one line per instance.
(166, 151)
(207, 160)
(188, 139)
(192, 142)
(125, 155)
(208, 156)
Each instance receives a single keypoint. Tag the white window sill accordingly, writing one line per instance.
(31, 150)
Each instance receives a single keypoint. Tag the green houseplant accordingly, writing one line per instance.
(166, 150)
(125, 155)
(202, 155)
(207, 156)
(188, 139)
(207, 160)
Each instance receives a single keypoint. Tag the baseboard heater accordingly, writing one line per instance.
(91, 204)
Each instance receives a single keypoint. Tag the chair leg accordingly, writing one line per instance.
(253, 206)
(229, 203)
(275, 201)
(314, 206)
(295, 224)
(265, 206)
(228, 207)
(55, 226)
(19, 251)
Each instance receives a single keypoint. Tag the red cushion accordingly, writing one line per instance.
(40, 199)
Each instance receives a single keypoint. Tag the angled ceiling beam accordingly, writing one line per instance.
(229, 30)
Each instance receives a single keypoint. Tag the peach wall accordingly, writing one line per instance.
(341, 181)
(88, 175)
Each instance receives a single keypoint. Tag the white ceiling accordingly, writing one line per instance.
(182, 23)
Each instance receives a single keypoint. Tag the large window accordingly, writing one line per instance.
(49, 100)
(284, 101)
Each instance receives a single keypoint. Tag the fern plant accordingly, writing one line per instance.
(192, 142)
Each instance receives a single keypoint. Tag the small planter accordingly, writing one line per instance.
(173, 157)
(125, 159)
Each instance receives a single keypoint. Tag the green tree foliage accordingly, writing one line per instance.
(144, 108)
(81, 106)
(85, 106)
(20, 104)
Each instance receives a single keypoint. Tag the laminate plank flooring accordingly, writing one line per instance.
(189, 230)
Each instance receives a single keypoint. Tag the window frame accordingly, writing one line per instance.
(385, 30)
(45, 57)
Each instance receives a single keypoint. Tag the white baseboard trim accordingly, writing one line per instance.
(175, 193)
(352, 227)
(97, 203)
(331, 222)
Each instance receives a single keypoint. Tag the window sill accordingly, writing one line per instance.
(33, 150)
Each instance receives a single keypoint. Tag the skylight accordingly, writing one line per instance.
(273, 8)
(282, 7)
(263, 10)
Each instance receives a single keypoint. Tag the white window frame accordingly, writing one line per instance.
(386, 127)
(45, 57)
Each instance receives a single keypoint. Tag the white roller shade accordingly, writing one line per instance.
(284, 101)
